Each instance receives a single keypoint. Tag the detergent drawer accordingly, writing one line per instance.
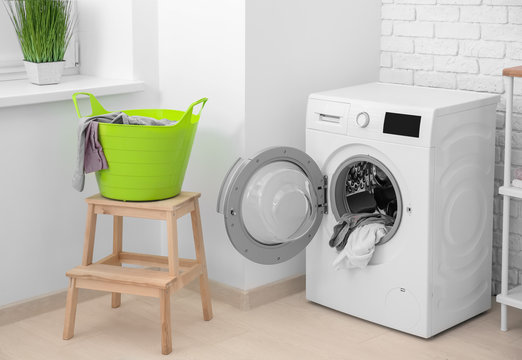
(325, 115)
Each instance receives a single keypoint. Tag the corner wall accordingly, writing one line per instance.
(201, 54)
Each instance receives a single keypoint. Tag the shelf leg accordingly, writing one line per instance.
(503, 317)
(506, 200)
(505, 254)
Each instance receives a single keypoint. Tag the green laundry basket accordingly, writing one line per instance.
(145, 162)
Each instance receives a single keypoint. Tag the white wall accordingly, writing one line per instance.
(462, 44)
(42, 219)
(296, 47)
(106, 32)
(201, 52)
(256, 61)
(10, 47)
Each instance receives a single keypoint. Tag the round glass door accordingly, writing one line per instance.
(272, 204)
(278, 203)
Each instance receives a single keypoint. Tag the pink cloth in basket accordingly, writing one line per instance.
(94, 157)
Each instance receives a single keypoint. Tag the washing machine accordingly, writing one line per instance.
(426, 156)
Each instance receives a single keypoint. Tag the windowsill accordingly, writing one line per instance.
(21, 92)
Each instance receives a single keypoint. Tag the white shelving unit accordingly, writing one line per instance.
(507, 297)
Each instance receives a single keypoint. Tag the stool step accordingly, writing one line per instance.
(122, 275)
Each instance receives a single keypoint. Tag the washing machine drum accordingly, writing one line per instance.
(272, 204)
(362, 184)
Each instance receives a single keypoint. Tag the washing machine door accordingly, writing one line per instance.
(273, 204)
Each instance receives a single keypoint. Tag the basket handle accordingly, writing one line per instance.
(96, 107)
(188, 113)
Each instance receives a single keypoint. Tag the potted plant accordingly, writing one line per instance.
(44, 29)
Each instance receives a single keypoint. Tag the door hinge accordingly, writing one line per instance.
(324, 188)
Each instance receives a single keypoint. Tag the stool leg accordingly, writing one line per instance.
(70, 310)
(200, 256)
(166, 330)
(90, 231)
(117, 234)
(172, 240)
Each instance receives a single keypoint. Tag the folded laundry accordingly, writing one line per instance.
(78, 180)
(360, 246)
(517, 183)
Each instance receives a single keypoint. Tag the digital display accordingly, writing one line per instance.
(402, 124)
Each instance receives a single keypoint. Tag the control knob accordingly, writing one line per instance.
(363, 119)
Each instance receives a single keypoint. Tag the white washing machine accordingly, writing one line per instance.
(426, 156)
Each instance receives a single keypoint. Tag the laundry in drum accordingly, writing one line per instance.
(371, 210)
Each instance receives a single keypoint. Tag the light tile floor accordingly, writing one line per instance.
(290, 328)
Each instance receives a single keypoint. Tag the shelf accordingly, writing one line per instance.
(513, 71)
(510, 191)
(21, 92)
(513, 298)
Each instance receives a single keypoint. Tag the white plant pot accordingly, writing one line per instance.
(44, 73)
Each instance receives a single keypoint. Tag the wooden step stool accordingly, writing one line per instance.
(108, 275)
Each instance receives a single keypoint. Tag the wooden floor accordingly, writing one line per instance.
(290, 328)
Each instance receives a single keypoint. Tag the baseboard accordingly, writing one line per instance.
(249, 299)
(41, 304)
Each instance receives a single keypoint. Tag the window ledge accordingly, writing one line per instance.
(21, 92)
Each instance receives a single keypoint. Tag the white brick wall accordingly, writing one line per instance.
(462, 44)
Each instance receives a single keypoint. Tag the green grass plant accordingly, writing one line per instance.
(44, 27)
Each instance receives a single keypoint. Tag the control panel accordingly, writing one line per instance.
(370, 120)
(390, 123)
